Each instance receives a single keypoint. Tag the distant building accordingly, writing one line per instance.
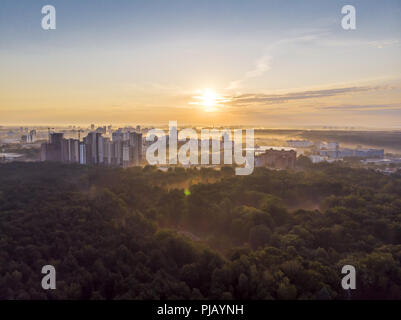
(382, 161)
(124, 150)
(318, 159)
(52, 151)
(72, 151)
(278, 159)
(348, 153)
(31, 136)
(127, 147)
(94, 142)
(82, 153)
(299, 143)
(369, 153)
(56, 138)
(101, 130)
(329, 146)
(135, 142)
(334, 154)
(107, 151)
(126, 154)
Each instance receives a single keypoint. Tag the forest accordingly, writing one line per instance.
(141, 233)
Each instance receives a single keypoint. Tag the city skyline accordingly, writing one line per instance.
(259, 63)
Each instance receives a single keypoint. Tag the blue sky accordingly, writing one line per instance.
(149, 60)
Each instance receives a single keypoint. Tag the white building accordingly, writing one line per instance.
(82, 153)
(329, 145)
(317, 159)
(299, 143)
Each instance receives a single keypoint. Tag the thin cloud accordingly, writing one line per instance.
(263, 99)
(388, 107)
(262, 65)
(359, 42)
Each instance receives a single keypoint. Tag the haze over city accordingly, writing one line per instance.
(257, 63)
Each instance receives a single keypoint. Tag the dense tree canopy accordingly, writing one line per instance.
(136, 234)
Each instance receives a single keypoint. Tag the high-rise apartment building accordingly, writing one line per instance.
(94, 142)
(125, 149)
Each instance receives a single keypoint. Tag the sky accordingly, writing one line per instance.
(255, 63)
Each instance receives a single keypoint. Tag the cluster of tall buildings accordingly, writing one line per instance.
(124, 149)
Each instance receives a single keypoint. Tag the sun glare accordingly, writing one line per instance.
(209, 100)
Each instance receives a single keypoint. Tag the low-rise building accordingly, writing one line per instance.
(277, 159)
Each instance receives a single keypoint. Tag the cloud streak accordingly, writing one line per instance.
(267, 99)
(386, 107)
(262, 65)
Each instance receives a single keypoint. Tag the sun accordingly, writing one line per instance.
(209, 100)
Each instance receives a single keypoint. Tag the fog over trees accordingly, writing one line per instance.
(140, 233)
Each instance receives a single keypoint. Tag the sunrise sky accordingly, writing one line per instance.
(234, 62)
